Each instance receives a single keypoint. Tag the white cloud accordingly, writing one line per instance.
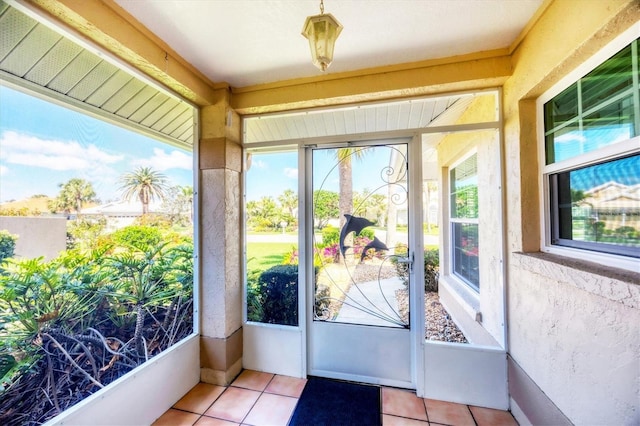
(18, 148)
(291, 173)
(259, 164)
(162, 161)
(4, 170)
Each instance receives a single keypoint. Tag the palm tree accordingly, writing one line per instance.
(146, 184)
(345, 172)
(289, 202)
(73, 195)
(186, 196)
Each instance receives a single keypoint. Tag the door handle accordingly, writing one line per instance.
(406, 260)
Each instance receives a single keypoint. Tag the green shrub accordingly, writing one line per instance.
(140, 237)
(254, 297)
(626, 232)
(153, 220)
(367, 233)
(7, 245)
(330, 236)
(84, 233)
(431, 267)
(278, 287)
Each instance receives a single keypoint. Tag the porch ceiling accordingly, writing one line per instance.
(365, 119)
(251, 42)
(35, 56)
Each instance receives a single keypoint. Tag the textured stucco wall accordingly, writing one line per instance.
(573, 328)
(577, 335)
(220, 270)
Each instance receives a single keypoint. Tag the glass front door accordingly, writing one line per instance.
(360, 288)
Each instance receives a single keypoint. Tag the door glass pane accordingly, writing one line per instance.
(360, 218)
(271, 210)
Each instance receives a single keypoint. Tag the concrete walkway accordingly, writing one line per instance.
(373, 296)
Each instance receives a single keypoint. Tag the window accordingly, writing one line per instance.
(94, 279)
(592, 159)
(464, 221)
(271, 222)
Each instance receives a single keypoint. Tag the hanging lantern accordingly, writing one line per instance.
(322, 31)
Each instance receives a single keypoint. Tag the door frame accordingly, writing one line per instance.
(414, 340)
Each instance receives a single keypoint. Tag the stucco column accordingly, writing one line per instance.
(220, 165)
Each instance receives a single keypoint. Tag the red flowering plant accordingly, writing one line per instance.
(469, 247)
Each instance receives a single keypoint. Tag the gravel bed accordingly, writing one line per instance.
(438, 323)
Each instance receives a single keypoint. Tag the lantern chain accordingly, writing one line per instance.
(321, 7)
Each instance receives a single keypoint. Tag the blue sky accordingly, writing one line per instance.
(43, 145)
(271, 174)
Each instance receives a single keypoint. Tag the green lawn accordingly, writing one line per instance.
(265, 255)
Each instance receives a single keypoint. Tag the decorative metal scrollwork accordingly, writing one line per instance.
(345, 290)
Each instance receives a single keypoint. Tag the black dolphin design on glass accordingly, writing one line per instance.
(357, 224)
(376, 244)
(353, 224)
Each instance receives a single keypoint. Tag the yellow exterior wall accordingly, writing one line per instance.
(568, 33)
(573, 326)
(463, 73)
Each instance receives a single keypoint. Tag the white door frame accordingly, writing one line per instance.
(339, 361)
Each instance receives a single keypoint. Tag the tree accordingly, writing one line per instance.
(345, 173)
(144, 183)
(186, 195)
(263, 213)
(178, 204)
(289, 202)
(73, 195)
(326, 206)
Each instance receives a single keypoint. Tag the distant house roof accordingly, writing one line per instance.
(132, 208)
(614, 196)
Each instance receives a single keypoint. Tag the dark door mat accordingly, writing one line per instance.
(336, 403)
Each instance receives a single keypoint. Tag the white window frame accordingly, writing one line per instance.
(618, 150)
(452, 273)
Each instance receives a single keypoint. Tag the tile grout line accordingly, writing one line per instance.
(472, 416)
(257, 399)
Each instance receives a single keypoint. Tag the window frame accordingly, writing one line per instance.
(619, 150)
(475, 287)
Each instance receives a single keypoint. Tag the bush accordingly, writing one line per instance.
(7, 244)
(431, 267)
(254, 297)
(84, 233)
(153, 220)
(330, 236)
(140, 237)
(278, 289)
(367, 233)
